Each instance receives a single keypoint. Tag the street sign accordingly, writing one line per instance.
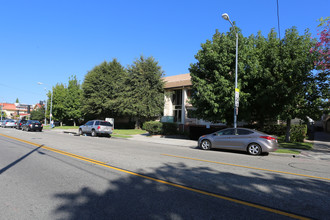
(236, 97)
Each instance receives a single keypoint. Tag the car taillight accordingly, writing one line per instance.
(98, 127)
(20, 124)
(30, 125)
(268, 138)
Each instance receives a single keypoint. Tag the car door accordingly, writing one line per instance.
(88, 127)
(240, 140)
(223, 138)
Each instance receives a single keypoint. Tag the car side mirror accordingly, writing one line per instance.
(214, 134)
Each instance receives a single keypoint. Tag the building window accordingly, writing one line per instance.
(177, 114)
(177, 97)
(177, 105)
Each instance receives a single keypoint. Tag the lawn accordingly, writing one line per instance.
(129, 131)
(297, 145)
(287, 151)
(289, 148)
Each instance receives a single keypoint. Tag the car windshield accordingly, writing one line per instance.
(33, 121)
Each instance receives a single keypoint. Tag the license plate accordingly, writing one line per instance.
(37, 125)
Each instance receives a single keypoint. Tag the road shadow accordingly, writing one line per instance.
(20, 159)
(136, 197)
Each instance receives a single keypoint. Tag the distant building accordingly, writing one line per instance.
(15, 110)
(177, 107)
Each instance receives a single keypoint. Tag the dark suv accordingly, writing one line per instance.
(96, 127)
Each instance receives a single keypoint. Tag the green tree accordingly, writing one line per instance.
(261, 79)
(300, 87)
(213, 77)
(17, 101)
(58, 105)
(73, 100)
(38, 114)
(275, 78)
(103, 91)
(4, 115)
(144, 90)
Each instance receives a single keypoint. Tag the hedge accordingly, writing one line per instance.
(170, 128)
(153, 127)
(156, 127)
(298, 133)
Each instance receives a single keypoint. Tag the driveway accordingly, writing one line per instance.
(321, 149)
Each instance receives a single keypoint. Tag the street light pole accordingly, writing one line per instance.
(51, 105)
(236, 104)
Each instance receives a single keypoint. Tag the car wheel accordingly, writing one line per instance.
(93, 133)
(80, 132)
(206, 145)
(254, 149)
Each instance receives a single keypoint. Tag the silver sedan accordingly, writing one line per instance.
(242, 139)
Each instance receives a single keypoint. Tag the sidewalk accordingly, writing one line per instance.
(321, 148)
(170, 140)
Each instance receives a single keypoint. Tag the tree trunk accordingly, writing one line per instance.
(137, 124)
(288, 129)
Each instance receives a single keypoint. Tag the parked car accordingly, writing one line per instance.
(252, 141)
(19, 124)
(32, 125)
(1, 122)
(9, 123)
(96, 127)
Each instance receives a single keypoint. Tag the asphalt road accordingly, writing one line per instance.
(49, 175)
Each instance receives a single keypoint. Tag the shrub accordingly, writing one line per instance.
(153, 127)
(170, 128)
(277, 130)
(298, 133)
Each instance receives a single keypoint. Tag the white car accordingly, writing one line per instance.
(9, 123)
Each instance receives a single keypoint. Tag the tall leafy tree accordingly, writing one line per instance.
(73, 100)
(261, 78)
(301, 95)
(144, 90)
(38, 114)
(103, 91)
(59, 110)
(213, 77)
(275, 78)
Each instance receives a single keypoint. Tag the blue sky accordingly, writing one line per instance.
(49, 41)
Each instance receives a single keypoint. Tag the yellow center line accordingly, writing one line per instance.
(254, 168)
(163, 181)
